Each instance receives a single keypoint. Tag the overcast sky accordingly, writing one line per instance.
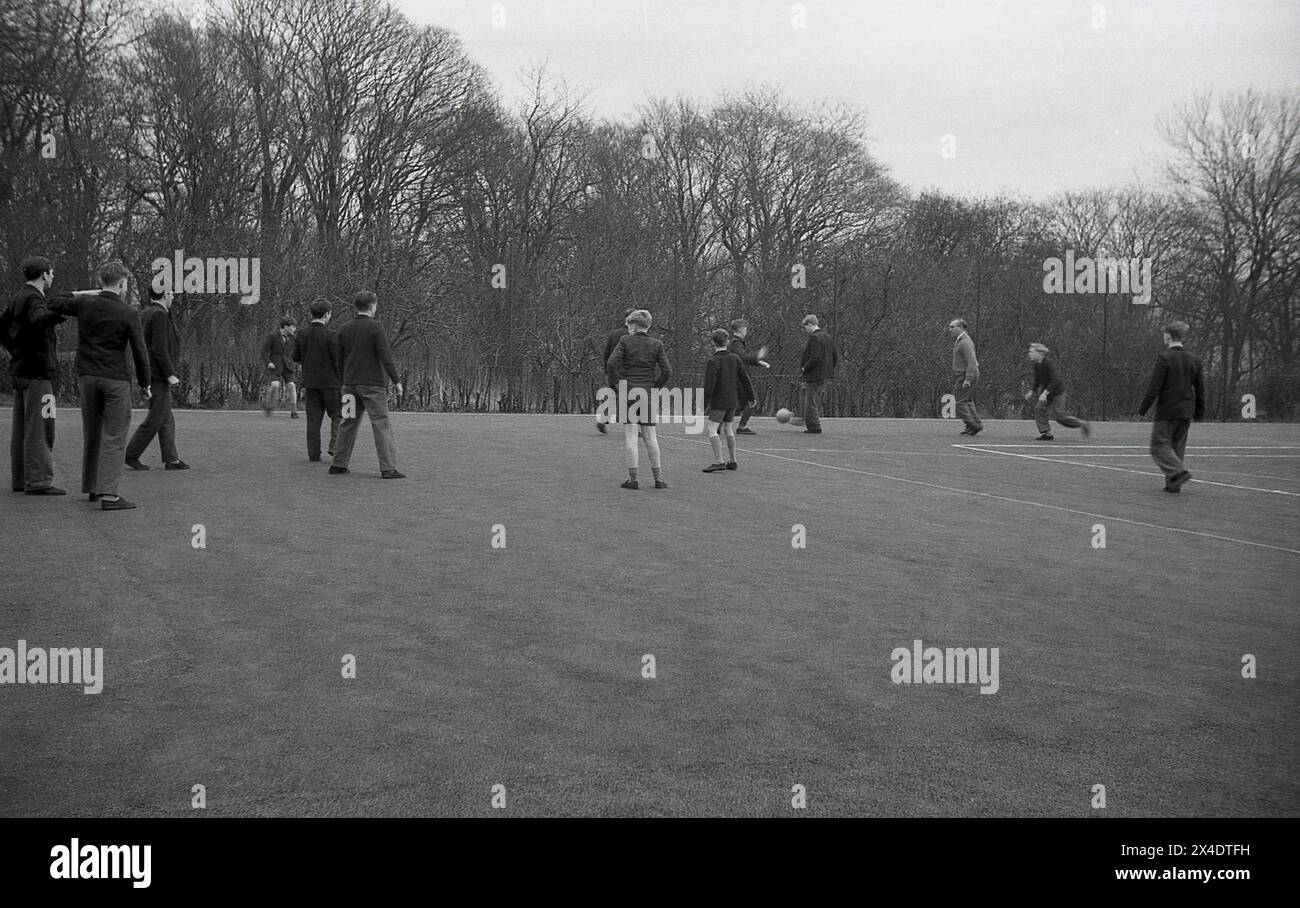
(1036, 99)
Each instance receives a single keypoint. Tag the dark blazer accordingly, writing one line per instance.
(317, 348)
(1047, 377)
(364, 353)
(162, 341)
(819, 357)
(276, 349)
(612, 341)
(741, 349)
(726, 382)
(35, 342)
(106, 329)
(638, 358)
(1175, 386)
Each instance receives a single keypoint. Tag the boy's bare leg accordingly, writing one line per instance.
(652, 447)
(714, 441)
(271, 397)
(630, 431)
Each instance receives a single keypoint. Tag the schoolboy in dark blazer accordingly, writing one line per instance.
(316, 347)
(1178, 393)
(727, 388)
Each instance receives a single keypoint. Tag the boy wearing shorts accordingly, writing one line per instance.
(727, 389)
(640, 360)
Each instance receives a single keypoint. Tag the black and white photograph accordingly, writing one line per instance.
(878, 410)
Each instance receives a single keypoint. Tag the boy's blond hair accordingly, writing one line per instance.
(639, 318)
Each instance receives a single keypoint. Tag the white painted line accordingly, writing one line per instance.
(1034, 504)
(1048, 445)
(1236, 472)
(1098, 466)
(857, 451)
(1199, 456)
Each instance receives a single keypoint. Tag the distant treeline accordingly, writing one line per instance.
(336, 146)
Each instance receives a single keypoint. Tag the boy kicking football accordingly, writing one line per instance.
(740, 331)
(726, 389)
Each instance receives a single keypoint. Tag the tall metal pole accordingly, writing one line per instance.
(1105, 311)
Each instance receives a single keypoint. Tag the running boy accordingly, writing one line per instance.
(1048, 396)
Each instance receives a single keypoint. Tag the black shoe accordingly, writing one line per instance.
(48, 490)
(812, 431)
(600, 427)
(629, 484)
(1046, 436)
(293, 414)
(176, 465)
(134, 463)
(1178, 480)
(745, 430)
(336, 471)
(714, 468)
(1169, 488)
(964, 432)
(974, 432)
(732, 465)
(92, 496)
(115, 504)
(391, 474)
(1086, 429)
(660, 484)
(313, 460)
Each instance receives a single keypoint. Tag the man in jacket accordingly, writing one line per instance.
(34, 368)
(817, 366)
(366, 365)
(316, 347)
(163, 342)
(966, 372)
(1179, 395)
(106, 329)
